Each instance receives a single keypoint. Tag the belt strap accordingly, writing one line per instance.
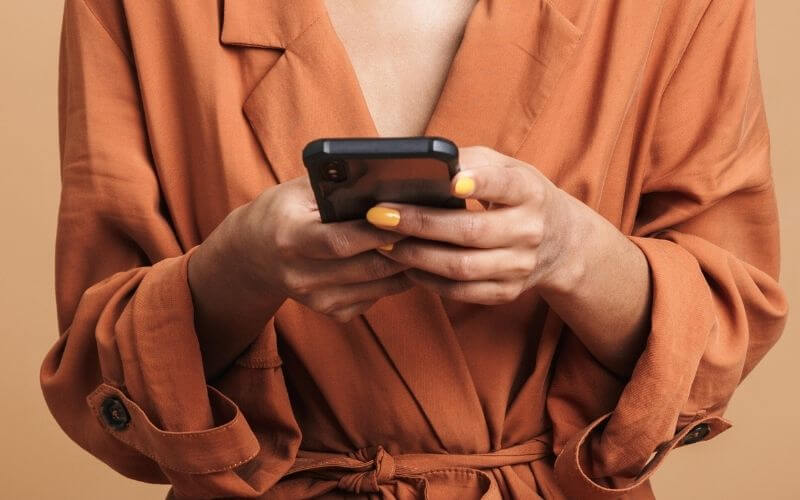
(366, 469)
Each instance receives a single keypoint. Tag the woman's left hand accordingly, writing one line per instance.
(526, 237)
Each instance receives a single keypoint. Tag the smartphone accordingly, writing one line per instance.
(351, 175)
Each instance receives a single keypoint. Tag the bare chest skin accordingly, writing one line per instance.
(401, 53)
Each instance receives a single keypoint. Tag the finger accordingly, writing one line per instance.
(490, 229)
(462, 264)
(364, 267)
(331, 299)
(473, 157)
(488, 292)
(337, 240)
(507, 181)
(348, 313)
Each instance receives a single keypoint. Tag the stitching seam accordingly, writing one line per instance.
(108, 31)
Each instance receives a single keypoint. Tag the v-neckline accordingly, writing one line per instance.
(336, 38)
(509, 58)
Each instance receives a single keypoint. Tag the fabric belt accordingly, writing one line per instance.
(367, 469)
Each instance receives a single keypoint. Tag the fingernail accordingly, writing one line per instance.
(387, 247)
(382, 216)
(464, 186)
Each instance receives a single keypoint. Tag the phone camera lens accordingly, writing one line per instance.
(334, 171)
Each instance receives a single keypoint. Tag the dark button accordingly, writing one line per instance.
(114, 413)
(697, 434)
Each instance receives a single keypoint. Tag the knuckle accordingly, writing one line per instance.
(477, 155)
(528, 265)
(418, 221)
(460, 267)
(509, 181)
(331, 305)
(472, 230)
(511, 165)
(324, 304)
(507, 293)
(517, 289)
(284, 242)
(502, 296)
(518, 182)
(343, 316)
(379, 267)
(410, 253)
(537, 193)
(291, 280)
(485, 153)
(312, 302)
(534, 234)
(335, 243)
(298, 284)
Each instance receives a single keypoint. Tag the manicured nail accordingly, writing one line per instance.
(382, 216)
(464, 186)
(387, 247)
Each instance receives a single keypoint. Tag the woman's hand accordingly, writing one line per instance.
(488, 257)
(533, 234)
(276, 246)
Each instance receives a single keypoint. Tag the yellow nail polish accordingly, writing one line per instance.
(387, 247)
(465, 186)
(382, 216)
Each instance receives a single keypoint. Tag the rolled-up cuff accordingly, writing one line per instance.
(612, 457)
(573, 462)
(223, 447)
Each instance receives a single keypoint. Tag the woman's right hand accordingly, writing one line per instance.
(276, 245)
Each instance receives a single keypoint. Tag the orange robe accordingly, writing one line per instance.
(174, 113)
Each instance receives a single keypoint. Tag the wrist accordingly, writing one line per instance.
(232, 252)
(573, 245)
(221, 267)
(229, 310)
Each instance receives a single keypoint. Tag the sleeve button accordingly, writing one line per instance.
(697, 433)
(114, 413)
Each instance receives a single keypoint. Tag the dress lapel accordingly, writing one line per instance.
(509, 60)
(310, 92)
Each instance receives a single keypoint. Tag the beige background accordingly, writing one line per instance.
(757, 458)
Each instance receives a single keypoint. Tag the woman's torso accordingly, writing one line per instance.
(229, 107)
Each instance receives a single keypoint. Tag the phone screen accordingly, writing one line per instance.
(352, 186)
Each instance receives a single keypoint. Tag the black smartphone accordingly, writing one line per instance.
(350, 175)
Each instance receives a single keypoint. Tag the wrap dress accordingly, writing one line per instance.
(173, 113)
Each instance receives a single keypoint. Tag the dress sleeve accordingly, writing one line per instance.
(126, 378)
(707, 224)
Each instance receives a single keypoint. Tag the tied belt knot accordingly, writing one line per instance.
(382, 471)
(371, 469)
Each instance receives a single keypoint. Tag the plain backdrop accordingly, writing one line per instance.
(757, 458)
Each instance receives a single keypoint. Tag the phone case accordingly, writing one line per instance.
(350, 175)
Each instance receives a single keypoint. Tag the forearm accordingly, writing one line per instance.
(231, 310)
(602, 289)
